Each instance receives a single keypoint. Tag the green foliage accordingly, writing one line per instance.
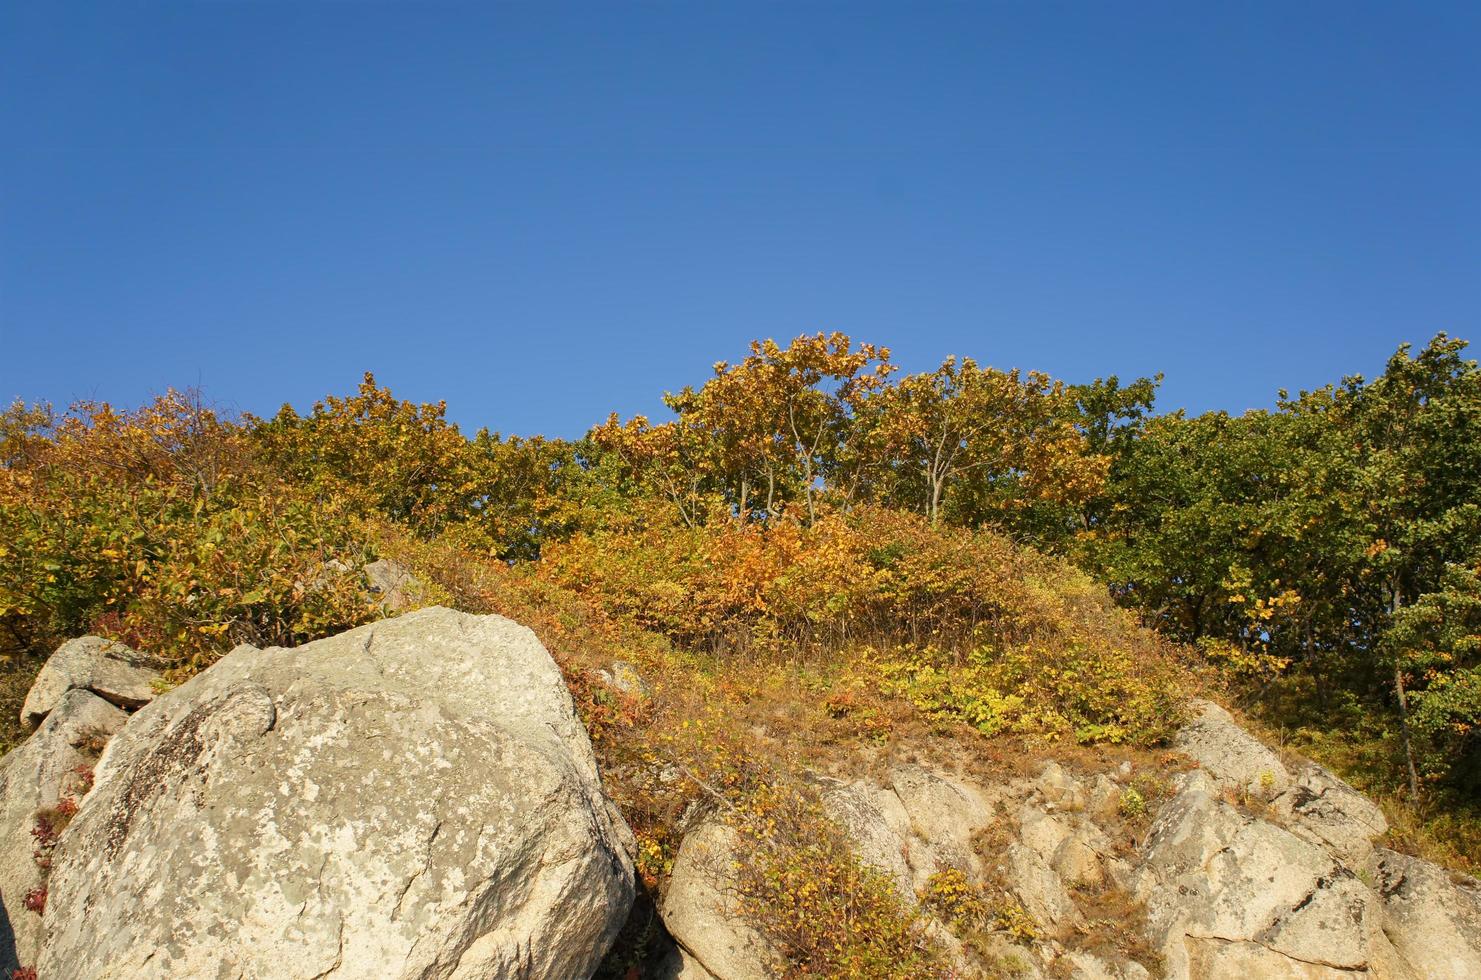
(1438, 638)
(808, 505)
(1304, 536)
(382, 457)
(1132, 803)
(826, 912)
(154, 527)
(972, 628)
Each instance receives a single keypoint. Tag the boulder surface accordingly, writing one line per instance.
(413, 798)
(51, 766)
(110, 670)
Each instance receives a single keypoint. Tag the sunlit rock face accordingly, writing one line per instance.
(413, 798)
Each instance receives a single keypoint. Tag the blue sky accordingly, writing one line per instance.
(545, 212)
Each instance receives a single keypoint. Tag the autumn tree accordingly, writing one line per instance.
(673, 459)
(995, 435)
(404, 460)
(768, 430)
(814, 389)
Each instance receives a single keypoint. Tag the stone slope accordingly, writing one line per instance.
(1251, 868)
(418, 798)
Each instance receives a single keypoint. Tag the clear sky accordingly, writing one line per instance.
(544, 212)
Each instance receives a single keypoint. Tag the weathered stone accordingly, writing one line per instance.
(394, 585)
(1433, 916)
(1087, 966)
(1060, 788)
(1042, 832)
(1037, 886)
(1079, 858)
(34, 778)
(1226, 891)
(1324, 809)
(1221, 959)
(108, 669)
(700, 909)
(1230, 754)
(1103, 797)
(945, 812)
(413, 798)
(855, 808)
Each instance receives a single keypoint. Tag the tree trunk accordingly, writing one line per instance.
(1404, 732)
(1404, 713)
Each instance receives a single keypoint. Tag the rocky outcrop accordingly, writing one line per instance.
(1230, 754)
(41, 780)
(110, 670)
(1292, 886)
(1432, 916)
(1254, 866)
(418, 798)
(1227, 891)
(413, 798)
(914, 823)
(394, 586)
(1326, 811)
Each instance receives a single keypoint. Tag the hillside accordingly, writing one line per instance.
(821, 586)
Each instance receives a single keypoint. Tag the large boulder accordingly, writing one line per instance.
(1432, 915)
(413, 798)
(700, 911)
(51, 766)
(1228, 895)
(1230, 754)
(110, 670)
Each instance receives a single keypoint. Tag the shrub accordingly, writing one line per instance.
(828, 914)
(1132, 803)
(973, 628)
(155, 527)
(951, 896)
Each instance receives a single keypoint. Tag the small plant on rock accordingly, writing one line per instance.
(1014, 919)
(952, 897)
(35, 900)
(1132, 803)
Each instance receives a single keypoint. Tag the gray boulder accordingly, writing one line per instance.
(878, 830)
(413, 798)
(1432, 915)
(1324, 809)
(108, 669)
(396, 588)
(1037, 886)
(914, 824)
(1226, 892)
(1229, 753)
(700, 911)
(34, 778)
